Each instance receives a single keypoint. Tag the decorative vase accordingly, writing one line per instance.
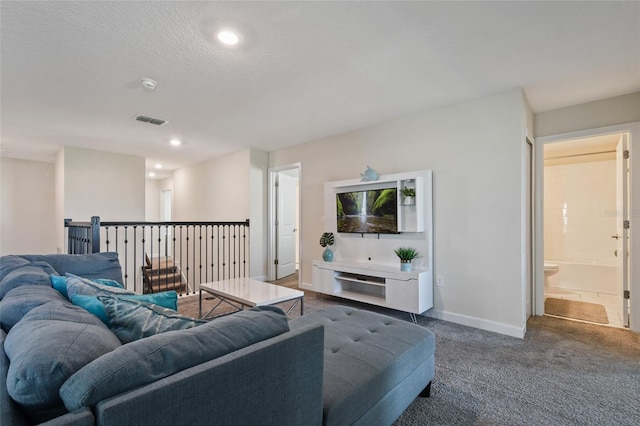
(327, 255)
(409, 201)
(405, 265)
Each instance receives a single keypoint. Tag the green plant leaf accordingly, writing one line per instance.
(406, 253)
(327, 239)
(408, 192)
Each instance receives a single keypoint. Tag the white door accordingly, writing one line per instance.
(622, 231)
(286, 234)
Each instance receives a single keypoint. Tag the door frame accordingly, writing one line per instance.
(529, 270)
(271, 217)
(633, 131)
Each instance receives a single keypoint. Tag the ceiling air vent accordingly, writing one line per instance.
(150, 120)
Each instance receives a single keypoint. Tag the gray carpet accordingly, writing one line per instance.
(561, 373)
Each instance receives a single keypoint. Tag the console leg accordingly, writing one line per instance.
(426, 392)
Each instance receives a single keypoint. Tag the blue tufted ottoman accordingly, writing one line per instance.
(374, 365)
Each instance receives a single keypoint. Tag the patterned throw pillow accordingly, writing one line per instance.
(166, 299)
(132, 320)
(60, 283)
(87, 287)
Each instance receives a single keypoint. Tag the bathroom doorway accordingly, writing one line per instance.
(586, 238)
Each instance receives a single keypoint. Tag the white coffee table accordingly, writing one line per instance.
(249, 292)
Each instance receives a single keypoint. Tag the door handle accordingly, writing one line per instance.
(615, 236)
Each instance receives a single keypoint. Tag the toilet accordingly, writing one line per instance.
(549, 269)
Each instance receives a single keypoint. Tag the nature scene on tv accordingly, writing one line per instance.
(373, 211)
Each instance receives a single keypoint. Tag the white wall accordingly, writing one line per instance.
(577, 197)
(258, 213)
(474, 149)
(27, 207)
(59, 204)
(98, 183)
(591, 115)
(213, 190)
(152, 200)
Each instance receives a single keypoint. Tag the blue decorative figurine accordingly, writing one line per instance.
(369, 175)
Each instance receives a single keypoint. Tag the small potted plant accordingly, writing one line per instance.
(406, 255)
(408, 194)
(327, 240)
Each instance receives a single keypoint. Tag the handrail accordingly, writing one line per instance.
(158, 256)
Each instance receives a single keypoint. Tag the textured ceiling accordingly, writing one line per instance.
(70, 71)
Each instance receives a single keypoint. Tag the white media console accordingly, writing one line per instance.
(366, 268)
(378, 285)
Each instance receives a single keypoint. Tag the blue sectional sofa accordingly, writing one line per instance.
(61, 364)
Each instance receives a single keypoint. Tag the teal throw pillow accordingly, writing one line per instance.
(60, 284)
(132, 320)
(166, 299)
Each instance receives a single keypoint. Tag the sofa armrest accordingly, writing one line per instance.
(81, 417)
(274, 382)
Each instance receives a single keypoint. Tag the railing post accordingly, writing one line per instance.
(95, 234)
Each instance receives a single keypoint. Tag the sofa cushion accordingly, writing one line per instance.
(33, 273)
(45, 351)
(93, 265)
(366, 355)
(62, 311)
(165, 299)
(11, 263)
(10, 412)
(132, 319)
(147, 360)
(87, 287)
(19, 301)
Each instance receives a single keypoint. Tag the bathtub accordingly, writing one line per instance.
(584, 277)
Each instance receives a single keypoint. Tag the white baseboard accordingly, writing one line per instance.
(260, 278)
(481, 323)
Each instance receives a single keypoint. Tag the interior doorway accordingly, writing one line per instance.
(585, 190)
(284, 221)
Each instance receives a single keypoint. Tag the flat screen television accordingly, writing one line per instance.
(368, 212)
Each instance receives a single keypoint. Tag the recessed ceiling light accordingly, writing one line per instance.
(151, 174)
(175, 142)
(158, 166)
(229, 38)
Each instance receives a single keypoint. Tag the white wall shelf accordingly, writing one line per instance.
(366, 268)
